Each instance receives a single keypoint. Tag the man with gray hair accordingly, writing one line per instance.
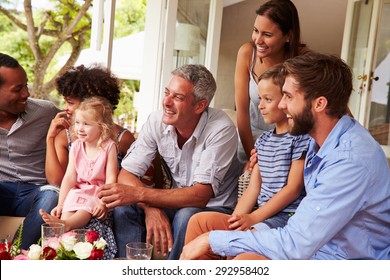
(197, 144)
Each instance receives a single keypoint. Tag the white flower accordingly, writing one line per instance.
(68, 241)
(83, 250)
(100, 244)
(35, 252)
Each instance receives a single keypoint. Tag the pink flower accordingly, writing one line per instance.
(21, 257)
(53, 242)
(68, 234)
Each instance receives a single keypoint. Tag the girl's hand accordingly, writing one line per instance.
(56, 211)
(241, 222)
(100, 211)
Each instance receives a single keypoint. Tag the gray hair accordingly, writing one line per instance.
(201, 78)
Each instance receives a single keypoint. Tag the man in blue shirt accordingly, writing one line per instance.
(346, 213)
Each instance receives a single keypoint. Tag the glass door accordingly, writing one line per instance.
(379, 106)
(191, 32)
(167, 46)
(366, 47)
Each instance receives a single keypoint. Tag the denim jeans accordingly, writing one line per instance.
(129, 225)
(24, 200)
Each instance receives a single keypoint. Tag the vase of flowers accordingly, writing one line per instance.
(70, 246)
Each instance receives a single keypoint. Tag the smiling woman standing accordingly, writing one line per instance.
(275, 37)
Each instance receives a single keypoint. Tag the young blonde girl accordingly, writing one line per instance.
(92, 163)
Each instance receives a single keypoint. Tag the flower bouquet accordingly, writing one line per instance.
(8, 251)
(67, 247)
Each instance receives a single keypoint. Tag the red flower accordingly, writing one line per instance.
(49, 253)
(4, 255)
(96, 254)
(91, 236)
(4, 247)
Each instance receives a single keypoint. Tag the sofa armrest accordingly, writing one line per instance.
(9, 225)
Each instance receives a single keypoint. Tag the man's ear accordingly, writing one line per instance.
(320, 103)
(201, 105)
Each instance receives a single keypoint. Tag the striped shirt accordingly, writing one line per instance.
(275, 155)
(23, 147)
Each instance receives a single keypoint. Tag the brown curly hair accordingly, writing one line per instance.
(83, 82)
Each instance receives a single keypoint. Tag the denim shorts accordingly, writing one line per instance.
(278, 220)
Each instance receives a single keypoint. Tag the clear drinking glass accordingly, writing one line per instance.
(139, 251)
(51, 233)
(80, 235)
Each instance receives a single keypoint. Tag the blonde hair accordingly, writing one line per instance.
(101, 111)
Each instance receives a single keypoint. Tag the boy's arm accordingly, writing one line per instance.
(248, 200)
(286, 195)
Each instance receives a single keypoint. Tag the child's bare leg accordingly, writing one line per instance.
(75, 220)
(50, 218)
(71, 220)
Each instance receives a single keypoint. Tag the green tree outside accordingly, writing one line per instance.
(37, 37)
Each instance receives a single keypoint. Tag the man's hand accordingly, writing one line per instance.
(251, 162)
(159, 228)
(196, 248)
(116, 194)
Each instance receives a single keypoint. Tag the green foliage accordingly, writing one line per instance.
(15, 248)
(63, 254)
(129, 17)
(125, 112)
(14, 42)
(5, 24)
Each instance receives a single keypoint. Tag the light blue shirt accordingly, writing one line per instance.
(207, 157)
(346, 213)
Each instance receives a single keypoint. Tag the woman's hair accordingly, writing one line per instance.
(101, 111)
(82, 82)
(322, 75)
(285, 15)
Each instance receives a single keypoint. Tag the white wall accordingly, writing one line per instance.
(322, 26)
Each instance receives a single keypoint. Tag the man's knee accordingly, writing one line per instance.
(121, 213)
(183, 215)
(48, 197)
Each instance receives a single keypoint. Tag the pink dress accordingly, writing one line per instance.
(91, 174)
